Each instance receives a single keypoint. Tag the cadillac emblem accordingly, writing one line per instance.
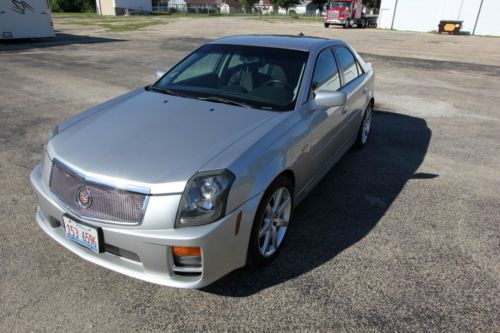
(84, 197)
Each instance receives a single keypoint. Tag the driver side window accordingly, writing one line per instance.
(326, 73)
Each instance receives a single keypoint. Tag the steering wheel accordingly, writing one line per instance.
(283, 83)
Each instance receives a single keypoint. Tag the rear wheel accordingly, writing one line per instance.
(364, 129)
(271, 222)
(327, 25)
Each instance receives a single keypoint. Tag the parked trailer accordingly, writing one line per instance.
(25, 19)
(348, 13)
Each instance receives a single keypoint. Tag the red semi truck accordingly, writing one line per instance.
(348, 13)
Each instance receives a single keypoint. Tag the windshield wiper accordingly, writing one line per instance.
(168, 92)
(218, 99)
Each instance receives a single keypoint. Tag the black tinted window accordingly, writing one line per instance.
(347, 64)
(326, 73)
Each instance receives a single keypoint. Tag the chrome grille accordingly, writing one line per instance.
(333, 15)
(106, 203)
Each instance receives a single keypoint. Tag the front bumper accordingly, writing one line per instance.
(222, 248)
(335, 21)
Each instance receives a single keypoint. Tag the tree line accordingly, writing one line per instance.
(72, 6)
(84, 6)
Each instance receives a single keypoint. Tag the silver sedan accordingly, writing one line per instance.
(198, 174)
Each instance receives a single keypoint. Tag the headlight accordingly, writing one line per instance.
(204, 199)
(53, 133)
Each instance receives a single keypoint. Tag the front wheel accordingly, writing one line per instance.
(271, 222)
(364, 129)
(327, 25)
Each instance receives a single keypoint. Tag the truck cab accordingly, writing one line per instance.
(345, 13)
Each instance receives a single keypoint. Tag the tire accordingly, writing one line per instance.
(327, 25)
(260, 254)
(363, 135)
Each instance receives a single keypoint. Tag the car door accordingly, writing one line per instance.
(325, 123)
(353, 79)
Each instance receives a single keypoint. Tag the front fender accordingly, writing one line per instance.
(281, 149)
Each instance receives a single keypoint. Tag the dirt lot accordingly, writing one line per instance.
(403, 236)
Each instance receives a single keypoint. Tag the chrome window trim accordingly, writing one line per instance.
(94, 181)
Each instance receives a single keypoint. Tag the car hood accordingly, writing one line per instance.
(152, 140)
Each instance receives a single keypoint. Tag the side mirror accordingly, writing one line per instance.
(160, 73)
(328, 99)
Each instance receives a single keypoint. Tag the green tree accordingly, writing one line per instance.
(72, 6)
(286, 4)
(247, 4)
(320, 4)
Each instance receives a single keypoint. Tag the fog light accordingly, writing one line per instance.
(186, 256)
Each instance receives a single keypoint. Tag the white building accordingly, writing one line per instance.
(122, 7)
(303, 7)
(479, 16)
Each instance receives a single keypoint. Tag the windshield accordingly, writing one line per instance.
(340, 4)
(257, 77)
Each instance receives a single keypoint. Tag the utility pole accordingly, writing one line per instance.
(460, 10)
(394, 14)
(477, 18)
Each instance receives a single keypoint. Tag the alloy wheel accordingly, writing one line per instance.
(366, 125)
(275, 221)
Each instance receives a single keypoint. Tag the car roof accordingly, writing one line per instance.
(298, 42)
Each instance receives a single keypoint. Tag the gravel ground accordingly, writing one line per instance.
(402, 236)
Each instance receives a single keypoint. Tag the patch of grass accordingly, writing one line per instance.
(130, 23)
(111, 23)
(129, 26)
(74, 15)
(289, 18)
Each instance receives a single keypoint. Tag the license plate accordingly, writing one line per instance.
(82, 234)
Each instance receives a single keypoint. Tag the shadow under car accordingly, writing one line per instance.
(345, 206)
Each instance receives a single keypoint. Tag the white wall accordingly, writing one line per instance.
(424, 15)
(34, 23)
(409, 15)
(386, 13)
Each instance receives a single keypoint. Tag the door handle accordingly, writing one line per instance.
(344, 110)
(365, 90)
